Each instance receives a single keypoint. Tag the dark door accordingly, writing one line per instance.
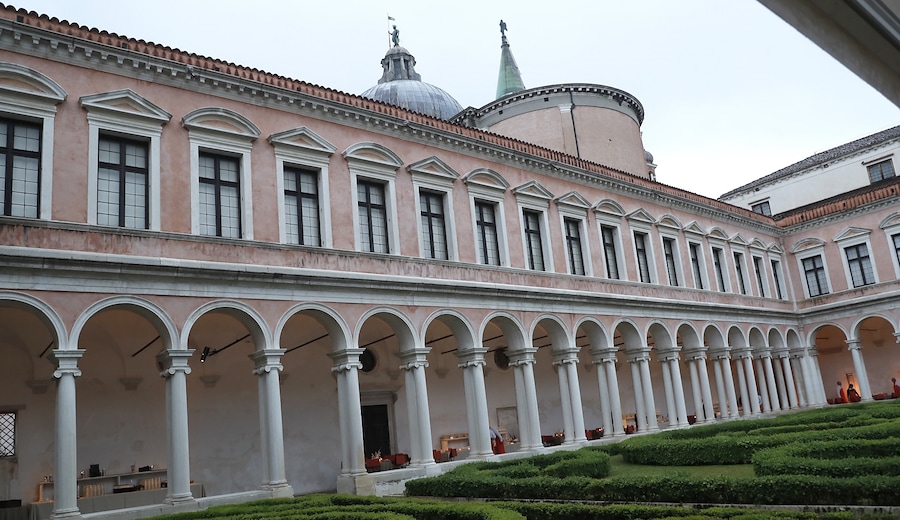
(376, 430)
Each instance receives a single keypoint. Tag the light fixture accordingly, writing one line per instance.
(205, 354)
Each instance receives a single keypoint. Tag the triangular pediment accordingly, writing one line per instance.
(573, 199)
(220, 120)
(719, 233)
(775, 247)
(16, 80)
(533, 189)
(669, 221)
(433, 167)
(738, 239)
(609, 207)
(373, 153)
(304, 139)
(641, 215)
(486, 178)
(694, 228)
(852, 232)
(807, 244)
(125, 103)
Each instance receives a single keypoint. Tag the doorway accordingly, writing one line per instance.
(376, 429)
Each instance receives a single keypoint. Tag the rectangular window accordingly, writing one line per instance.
(814, 270)
(739, 268)
(373, 224)
(220, 195)
(695, 265)
(122, 183)
(610, 255)
(776, 274)
(533, 241)
(301, 206)
(896, 240)
(881, 171)
(762, 208)
(669, 252)
(717, 264)
(640, 249)
(758, 269)
(860, 265)
(7, 434)
(434, 232)
(20, 167)
(488, 241)
(573, 245)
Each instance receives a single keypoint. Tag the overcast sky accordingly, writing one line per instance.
(730, 92)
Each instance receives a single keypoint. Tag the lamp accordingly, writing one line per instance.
(205, 354)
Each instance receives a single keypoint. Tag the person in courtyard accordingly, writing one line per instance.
(497, 442)
(895, 389)
(842, 396)
(852, 394)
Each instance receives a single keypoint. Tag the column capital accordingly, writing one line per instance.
(66, 362)
(694, 355)
(346, 359)
(414, 358)
(172, 361)
(854, 344)
(471, 357)
(639, 354)
(720, 354)
(267, 360)
(603, 355)
(565, 356)
(668, 354)
(522, 356)
(897, 335)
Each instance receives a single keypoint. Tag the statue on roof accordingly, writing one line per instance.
(395, 36)
(503, 28)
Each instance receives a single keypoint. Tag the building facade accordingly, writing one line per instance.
(257, 286)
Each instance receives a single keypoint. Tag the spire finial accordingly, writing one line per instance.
(395, 36)
(503, 31)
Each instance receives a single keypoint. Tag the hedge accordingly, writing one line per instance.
(838, 459)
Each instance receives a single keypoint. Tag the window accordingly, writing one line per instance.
(758, 269)
(122, 183)
(814, 270)
(372, 212)
(573, 245)
(739, 270)
(896, 240)
(610, 255)
(220, 196)
(695, 265)
(7, 434)
(860, 265)
(20, 167)
(881, 171)
(434, 231)
(671, 268)
(534, 246)
(776, 273)
(301, 206)
(640, 250)
(762, 208)
(719, 268)
(486, 230)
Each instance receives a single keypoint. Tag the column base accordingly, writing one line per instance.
(179, 499)
(279, 490)
(359, 484)
(67, 514)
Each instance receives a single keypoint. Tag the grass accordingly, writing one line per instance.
(620, 468)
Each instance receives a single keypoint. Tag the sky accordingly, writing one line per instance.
(730, 92)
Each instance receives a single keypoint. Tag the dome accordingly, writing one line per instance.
(417, 96)
(648, 157)
(400, 85)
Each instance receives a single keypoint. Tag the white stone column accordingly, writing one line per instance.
(708, 411)
(763, 385)
(608, 380)
(65, 476)
(819, 381)
(267, 368)
(607, 418)
(647, 384)
(353, 478)
(770, 382)
(746, 407)
(729, 385)
(752, 389)
(678, 385)
(859, 365)
(640, 415)
(669, 392)
(575, 391)
(414, 361)
(798, 372)
(780, 383)
(724, 411)
(695, 388)
(793, 401)
(175, 371)
(472, 362)
(565, 402)
(522, 360)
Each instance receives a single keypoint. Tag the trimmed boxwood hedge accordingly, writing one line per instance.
(838, 459)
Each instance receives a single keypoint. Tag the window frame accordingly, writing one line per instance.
(778, 277)
(144, 122)
(528, 232)
(480, 237)
(740, 271)
(12, 153)
(720, 267)
(122, 170)
(761, 207)
(298, 171)
(698, 264)
(880, 163)
(302, 148)
(675, 257)
(371, 162)
(569, 240)
(218, 183)
(221, 131)
(533, 198)
(426, 249)
(572, 207)
(435, 176)
(617, 250)
(854, 237)
(647, 250)
(365, 181)
(488, 187)
(761, 274)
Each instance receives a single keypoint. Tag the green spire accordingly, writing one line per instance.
(510, 80)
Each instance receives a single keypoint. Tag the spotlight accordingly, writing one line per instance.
(204, 354)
